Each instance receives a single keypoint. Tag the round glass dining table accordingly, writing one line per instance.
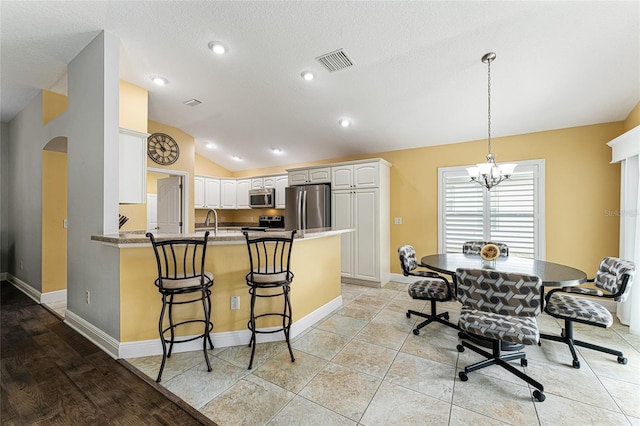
(551, 274)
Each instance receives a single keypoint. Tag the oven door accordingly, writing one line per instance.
(262, 198)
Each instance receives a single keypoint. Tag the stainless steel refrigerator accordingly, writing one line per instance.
(307, 207)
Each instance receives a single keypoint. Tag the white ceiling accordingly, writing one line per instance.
(417, 81)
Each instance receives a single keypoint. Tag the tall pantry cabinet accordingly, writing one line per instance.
(360, 201)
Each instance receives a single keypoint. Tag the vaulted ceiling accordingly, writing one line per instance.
(417, 78)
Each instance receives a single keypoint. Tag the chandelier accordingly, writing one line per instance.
(490, 174)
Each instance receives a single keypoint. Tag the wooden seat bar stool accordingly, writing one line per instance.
(269, 276)
(182, 280)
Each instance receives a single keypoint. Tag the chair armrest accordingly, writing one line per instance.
(585, 291)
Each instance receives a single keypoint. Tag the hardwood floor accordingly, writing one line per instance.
(52, 375)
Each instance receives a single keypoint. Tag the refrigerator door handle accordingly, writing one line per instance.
(304, 210)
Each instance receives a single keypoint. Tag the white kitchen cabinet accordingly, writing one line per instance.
(132, 154)
(358, 175)
(309, 176)
(212, 193)
(198, 192)
(242, 193)
(227, 193)
(263, 182)
(364, 252)
(281, 183)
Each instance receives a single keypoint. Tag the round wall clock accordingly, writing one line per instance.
(162, 149)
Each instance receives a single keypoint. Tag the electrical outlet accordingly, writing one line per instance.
(65, 223)
(397, 221)
(235, 302)
(88, 297)
(250, 218)
(21, 265)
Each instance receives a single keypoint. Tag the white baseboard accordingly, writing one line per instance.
(54, 298)
(25, 288)
(93, 333)
(227, 338)
(399, 278)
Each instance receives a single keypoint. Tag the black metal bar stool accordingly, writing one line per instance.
(181, 272)
(269, 276)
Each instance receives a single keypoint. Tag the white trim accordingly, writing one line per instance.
(96, 336)
(54, 297)
(626, 145)
(25, 288)
(186, 184)
(227, 338)
(399, 278)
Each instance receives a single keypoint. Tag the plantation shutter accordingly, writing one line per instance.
(509, 213)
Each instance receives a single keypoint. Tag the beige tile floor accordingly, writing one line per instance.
(362, 365)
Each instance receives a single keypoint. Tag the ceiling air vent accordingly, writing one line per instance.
(335, 61)
(192, 102)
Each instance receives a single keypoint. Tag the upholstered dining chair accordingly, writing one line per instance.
(432, 287)
(499, 307)
(615, 277)
(474, 247)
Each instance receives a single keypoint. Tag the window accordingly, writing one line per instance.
(511, 213)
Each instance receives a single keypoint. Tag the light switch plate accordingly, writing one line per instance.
(397, 221)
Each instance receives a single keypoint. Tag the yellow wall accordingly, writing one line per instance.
(53, 104)
(633, 119)
(134, 107)
(205, 167)
(54, 212)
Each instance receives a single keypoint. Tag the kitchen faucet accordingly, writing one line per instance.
(215, 220)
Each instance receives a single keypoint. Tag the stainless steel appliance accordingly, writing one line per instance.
(307, 207)
(267, 222)
(262, 198)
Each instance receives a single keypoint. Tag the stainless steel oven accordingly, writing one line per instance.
(262, 198)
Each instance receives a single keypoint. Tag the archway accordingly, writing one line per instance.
(54, 224)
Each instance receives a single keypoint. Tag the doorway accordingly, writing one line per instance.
(167, 207)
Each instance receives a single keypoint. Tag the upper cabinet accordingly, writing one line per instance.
(206, 192)
(227, 193)
(132, 155)
(309, 176)
(281, 183)
(198, 192)
(242, 193)
(360, 175)
(263, 182)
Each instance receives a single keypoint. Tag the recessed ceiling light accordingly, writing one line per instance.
(210, 145)
(276, 151)
(160, 81)
(307, 75)
(218, 47)
(344, 122)
(235, 157)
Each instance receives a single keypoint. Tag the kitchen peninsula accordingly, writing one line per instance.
(315, 291)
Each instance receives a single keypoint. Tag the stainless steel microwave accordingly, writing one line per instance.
(262, 198)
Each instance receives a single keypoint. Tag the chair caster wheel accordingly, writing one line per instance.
(461, 334)
(575, 364)
(416, 332)
(446, 316)
(463, 376)
(622, 360)
(460, 348)
(408, 315)
(524, 362)
(539, 395)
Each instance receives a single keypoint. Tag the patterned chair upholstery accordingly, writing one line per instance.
(499, 307)
(474, 247)
(615, 277)
(432, 287)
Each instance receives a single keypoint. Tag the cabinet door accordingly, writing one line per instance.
(257, 183)
(212, 193)
(365, 175)
(132, 154)
(198, 192)
(227, 193)
(320, 175)
(242, 193)
(342, 177)
(342, 216)
(269, 182)
(281, 186)
(299, 177)
(366, 216)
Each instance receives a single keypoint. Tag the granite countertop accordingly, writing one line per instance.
(224, 236)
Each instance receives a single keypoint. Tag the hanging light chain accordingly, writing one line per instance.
(489, 101)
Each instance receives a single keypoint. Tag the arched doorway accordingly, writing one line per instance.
(54, 224)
